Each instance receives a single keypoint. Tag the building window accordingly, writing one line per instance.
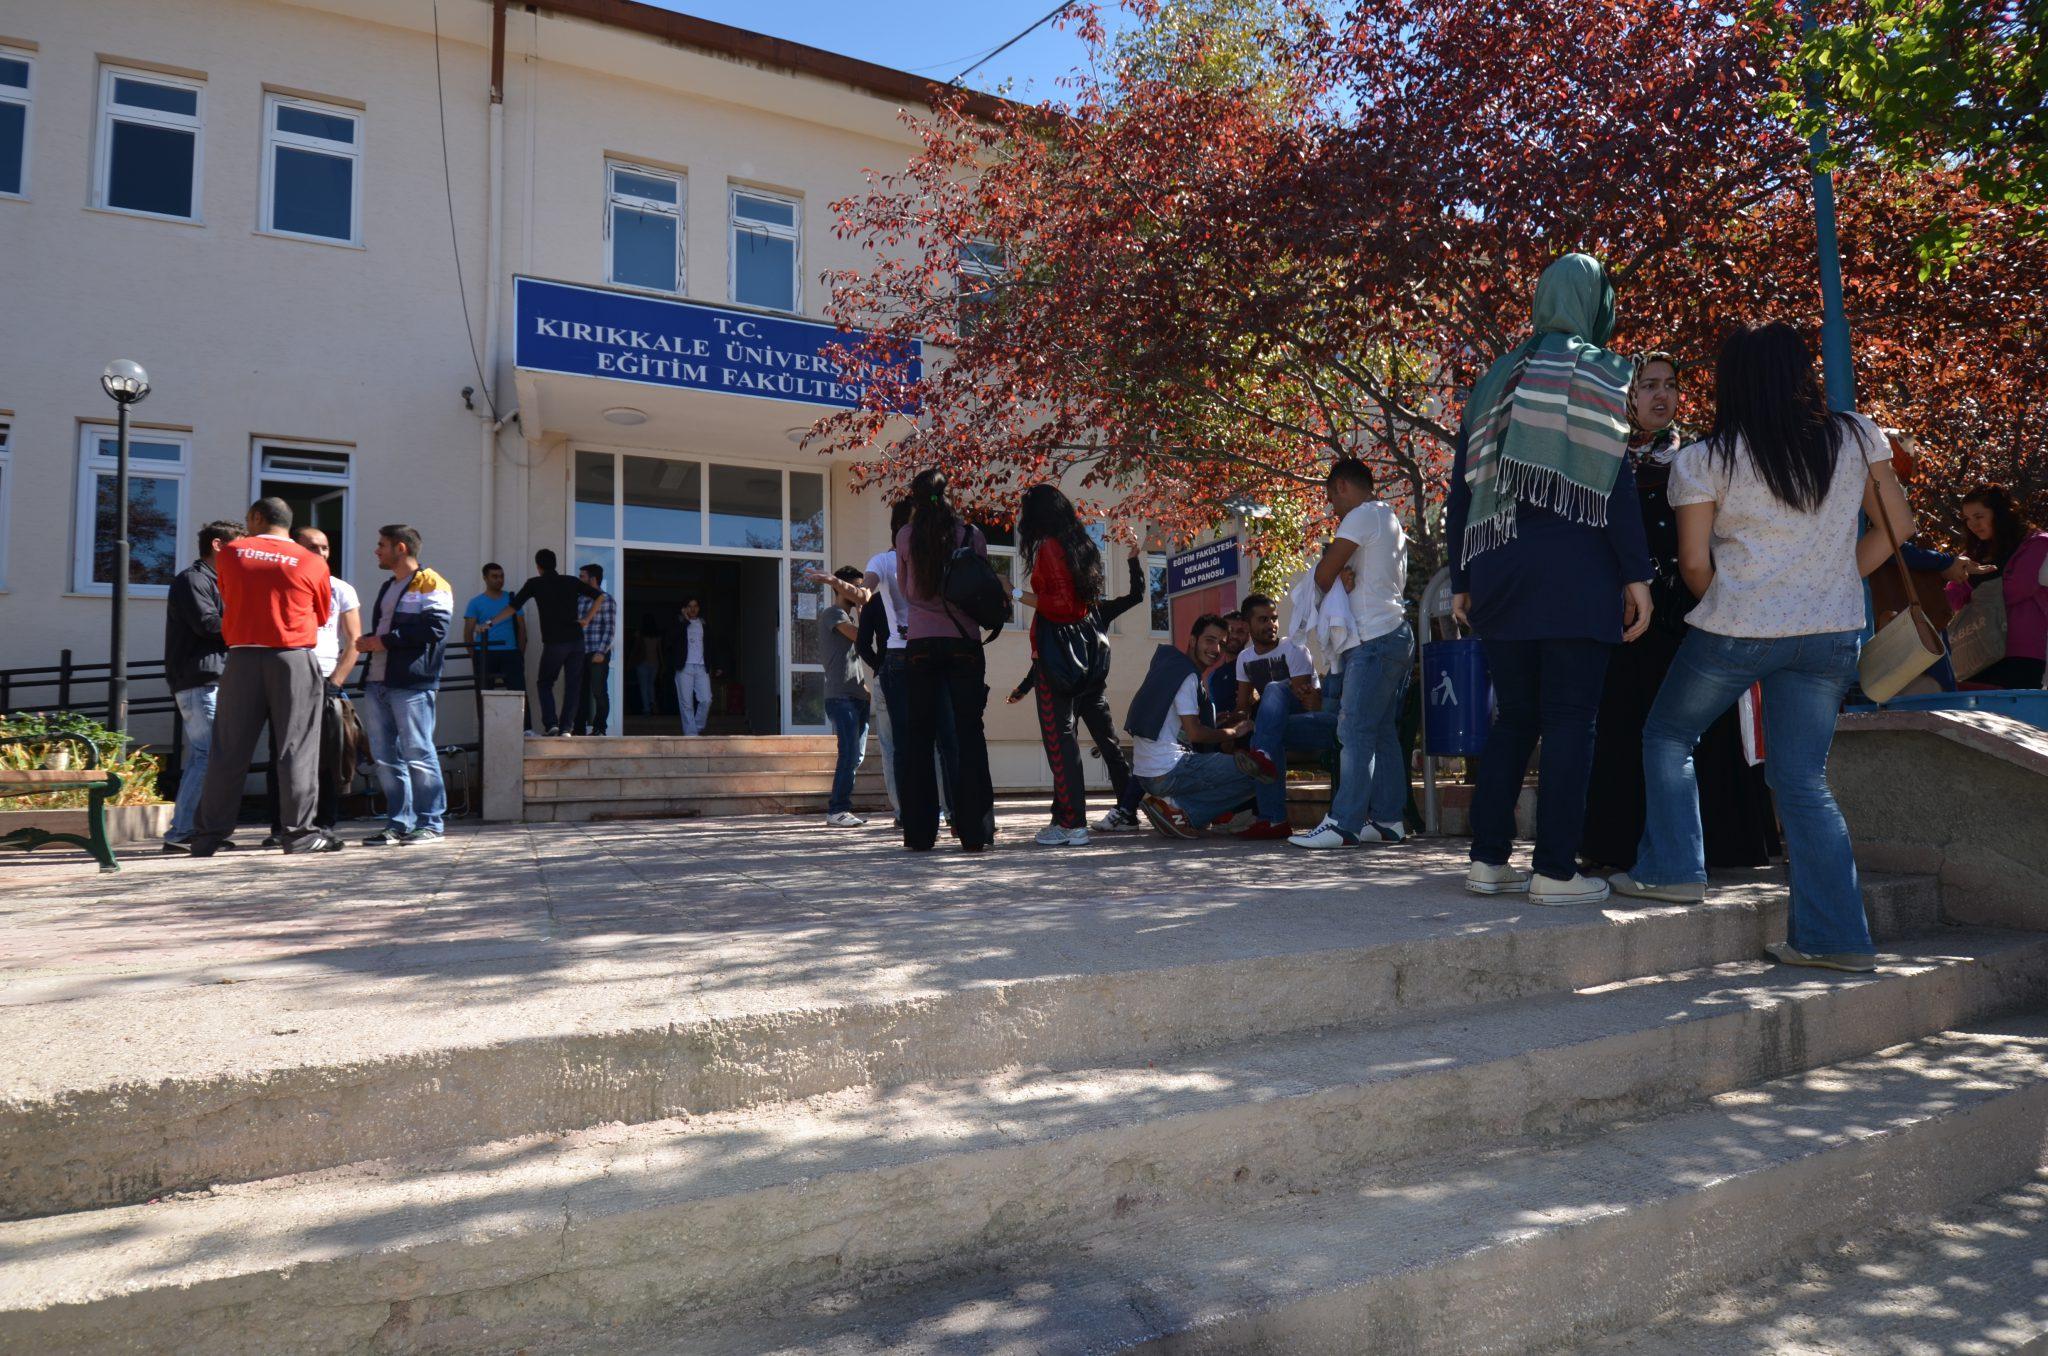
(6, 484)
(644, 227)
(149, 143)
(157, 464)
(17, 70)
(1155, 595)
(312, 170)
(981, 273)
(317, 483)
(767, 250)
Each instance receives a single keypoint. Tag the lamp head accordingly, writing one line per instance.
(125, 381)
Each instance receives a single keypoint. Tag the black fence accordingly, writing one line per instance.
(71, 686)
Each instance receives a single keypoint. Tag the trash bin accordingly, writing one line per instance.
(1457, 698)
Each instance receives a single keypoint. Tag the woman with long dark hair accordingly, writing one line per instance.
(943, 659)
(2018, 554)
(1735, 804)
(1070, 654)
(1768, 512)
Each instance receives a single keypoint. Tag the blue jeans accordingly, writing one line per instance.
(1551, 689)
(195, 708)
(1804, 680)
(1372, 773)
(400, 724)
(1203, 785)
(1281, 727)
(849, 717)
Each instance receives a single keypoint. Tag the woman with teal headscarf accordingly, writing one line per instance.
(1550, 567)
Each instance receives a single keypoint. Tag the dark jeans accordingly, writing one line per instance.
(1091, 708)
(1551, 689)
(505, 669)
(939, 673)
(327, 811)
(849, 717)
(593, 705)
(896, 695)
(284, 688)
(559, 658)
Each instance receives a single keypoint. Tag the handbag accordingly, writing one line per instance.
(1977, 636)
(1904, 647)
(1072, 656)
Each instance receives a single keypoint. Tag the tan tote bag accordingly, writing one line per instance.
(1906, 646)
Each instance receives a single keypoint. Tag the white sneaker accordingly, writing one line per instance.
(845, 819)
(1324, 835)
(1118, 820)
(1381, 833)
(1482, 879)
(1622, 883)
(1052, 835)
(1578, 890)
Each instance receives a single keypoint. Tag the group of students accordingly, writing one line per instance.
(259, 632)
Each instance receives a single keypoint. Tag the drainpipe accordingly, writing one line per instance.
(494, 250)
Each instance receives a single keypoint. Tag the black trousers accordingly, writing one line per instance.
(327, 809)
(1091, 708)
(594, 706)
(558, 658)
(956, 671)
(285, 689)
(505, 669)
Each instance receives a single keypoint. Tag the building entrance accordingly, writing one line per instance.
(738, 598)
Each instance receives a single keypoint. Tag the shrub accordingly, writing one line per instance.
(138, 770)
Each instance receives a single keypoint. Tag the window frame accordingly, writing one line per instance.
(966, 265)
(91, 465)
(1154, 561)
(274, 139)
(261, 447)
(6, 487)
(26, 97)
(680, 210)
(793, 233)
(104, 137)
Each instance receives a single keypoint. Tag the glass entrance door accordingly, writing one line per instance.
(748, 516)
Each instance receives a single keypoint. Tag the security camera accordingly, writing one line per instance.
(467, 392)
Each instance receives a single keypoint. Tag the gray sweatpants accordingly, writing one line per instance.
(285, 689)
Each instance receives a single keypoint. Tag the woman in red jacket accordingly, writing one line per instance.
(1066, 580)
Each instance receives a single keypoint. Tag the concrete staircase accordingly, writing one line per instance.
(1460, 1143)
(668, 776)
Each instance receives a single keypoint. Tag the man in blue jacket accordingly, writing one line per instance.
(406, 640)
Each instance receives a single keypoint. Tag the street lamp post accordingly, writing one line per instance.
(1836, 366)
(126, 383)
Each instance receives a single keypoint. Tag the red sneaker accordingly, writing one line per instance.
(1168, 818)
(1265, 830)
(1258, 765)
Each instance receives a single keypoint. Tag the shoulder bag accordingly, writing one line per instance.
(1906, 646)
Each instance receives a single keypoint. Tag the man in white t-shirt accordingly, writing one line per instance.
(1185, 790)
(1372, 778)
(883, 576)
(335, 650)
(1277, 687)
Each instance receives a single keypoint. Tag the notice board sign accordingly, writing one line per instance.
(1210, 563)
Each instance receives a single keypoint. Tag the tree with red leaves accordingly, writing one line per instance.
(1202, 277)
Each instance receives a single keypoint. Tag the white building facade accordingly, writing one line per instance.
(581, 316)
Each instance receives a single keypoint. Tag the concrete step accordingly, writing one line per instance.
(1102, 997)
(666, 787)
(534, 1237)
(792, 801)
(1486, 1254)
(670, 746)
(679, 765)
(1258, 1203)
(1970, 1280)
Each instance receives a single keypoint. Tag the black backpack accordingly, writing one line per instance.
(972, 589)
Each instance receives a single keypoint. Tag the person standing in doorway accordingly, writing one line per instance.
(694, 670)
(945, 664)
(194, 655)
(275, 597)
(561, 637)
(599, 618)
(647, 662)
(847, 702)
(407, 643)
(499, 647)
(336, 652)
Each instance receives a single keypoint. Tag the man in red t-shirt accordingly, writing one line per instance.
(274, 598)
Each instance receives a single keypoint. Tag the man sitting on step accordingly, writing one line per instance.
(1172, 714)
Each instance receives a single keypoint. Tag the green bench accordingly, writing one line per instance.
(100, 784)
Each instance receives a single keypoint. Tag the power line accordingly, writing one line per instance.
(1048, 17)
(447, 182)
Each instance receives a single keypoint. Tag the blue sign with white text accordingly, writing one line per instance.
(596, 332)
(1210, 563)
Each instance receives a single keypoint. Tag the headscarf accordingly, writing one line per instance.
(1548, 423)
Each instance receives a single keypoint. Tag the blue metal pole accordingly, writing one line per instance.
(1836, 364)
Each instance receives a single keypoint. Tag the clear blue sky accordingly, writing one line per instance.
(930, 37)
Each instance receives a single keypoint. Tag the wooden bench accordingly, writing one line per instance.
(100, 784)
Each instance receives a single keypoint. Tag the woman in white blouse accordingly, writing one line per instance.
(1770, 507)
